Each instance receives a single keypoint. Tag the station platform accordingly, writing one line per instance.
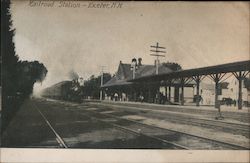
(224, 108)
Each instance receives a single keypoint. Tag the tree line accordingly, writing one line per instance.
(17, 76)
(92, 86)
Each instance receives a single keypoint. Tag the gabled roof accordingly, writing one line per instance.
(125, 73)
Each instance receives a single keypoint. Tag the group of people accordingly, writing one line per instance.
(116, 97)
(160, 98)
(124, 97)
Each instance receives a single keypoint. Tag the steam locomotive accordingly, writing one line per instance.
(65, 90)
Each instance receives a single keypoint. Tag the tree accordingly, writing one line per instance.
(92, 86)
(28, 74)
(9, 58)
(9, 65)
(173, 66)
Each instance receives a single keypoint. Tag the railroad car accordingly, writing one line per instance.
(65, 90)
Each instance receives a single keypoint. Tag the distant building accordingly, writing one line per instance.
(228, 92)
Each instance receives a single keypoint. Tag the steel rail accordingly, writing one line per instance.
(58, 137)
(244, 127)
(137, 133)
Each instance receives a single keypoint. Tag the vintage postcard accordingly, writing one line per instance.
(125, 81)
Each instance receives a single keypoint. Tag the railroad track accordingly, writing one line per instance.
(62, 143)
(126, 130)
(176, 139)
(242, 129)
(184, 141)
(236, 116)
(58, 138)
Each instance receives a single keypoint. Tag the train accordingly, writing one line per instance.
(65, 90)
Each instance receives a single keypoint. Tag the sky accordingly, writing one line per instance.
(82, 39)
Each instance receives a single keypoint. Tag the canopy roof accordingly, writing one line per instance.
(223, 68)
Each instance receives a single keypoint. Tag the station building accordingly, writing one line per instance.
(121, 85)
(138, 82)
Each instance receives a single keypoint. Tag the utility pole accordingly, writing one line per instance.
(102, 71)
(134, 72)
(157, 50)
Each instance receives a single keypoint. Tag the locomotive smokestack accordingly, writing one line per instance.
(73, 75)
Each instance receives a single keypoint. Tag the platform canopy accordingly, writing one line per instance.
(223, 68)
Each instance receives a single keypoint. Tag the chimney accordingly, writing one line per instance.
(139, 61)
(133, 67)
(134, 61)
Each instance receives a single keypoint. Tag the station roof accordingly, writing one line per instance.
(223, 68)
(125, 74)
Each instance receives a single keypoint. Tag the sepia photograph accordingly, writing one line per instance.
(125, 76)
